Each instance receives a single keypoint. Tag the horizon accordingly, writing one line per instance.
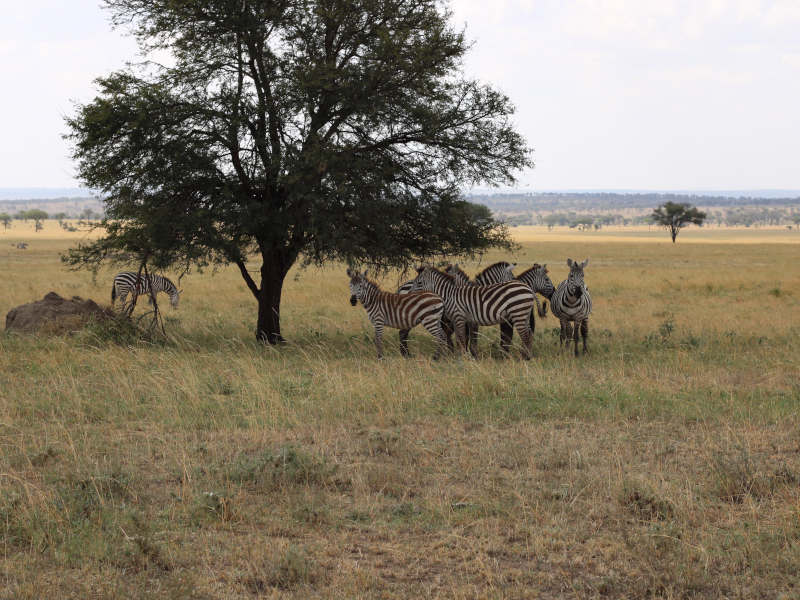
(22, 194)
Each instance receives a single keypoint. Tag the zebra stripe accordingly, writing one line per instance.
(399, 311)
(538, 280)
(495, 273)
(572, 303)
(125, 281)
(510, 301)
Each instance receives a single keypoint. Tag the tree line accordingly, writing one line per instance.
(37, 215)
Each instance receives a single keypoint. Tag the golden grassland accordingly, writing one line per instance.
(665, 464)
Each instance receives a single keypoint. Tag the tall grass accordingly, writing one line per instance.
(664, 464)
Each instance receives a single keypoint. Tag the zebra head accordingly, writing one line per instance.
(174, 296)
(424, 280)
(541, 281)
(455, 271)
(575, 284)
(357, 285)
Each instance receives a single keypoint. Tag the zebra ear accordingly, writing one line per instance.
(569, 262)
(420, 269)
(584, 263)
(511, 266)
(544, 266)
(349, 272)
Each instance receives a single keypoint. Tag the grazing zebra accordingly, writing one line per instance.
(480, 305)
(537, 279)
(400, 311)
(572, 302)
(124, 283)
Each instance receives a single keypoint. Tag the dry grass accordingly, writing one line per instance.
(666, 464)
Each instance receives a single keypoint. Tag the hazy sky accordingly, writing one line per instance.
(622, 94)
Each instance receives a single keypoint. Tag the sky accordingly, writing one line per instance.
(610, 94)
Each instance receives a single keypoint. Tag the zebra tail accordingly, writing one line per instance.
(113, 293)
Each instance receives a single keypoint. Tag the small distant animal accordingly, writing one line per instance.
(125, 281)
(21, 246)
(572, 304)
(399, 311)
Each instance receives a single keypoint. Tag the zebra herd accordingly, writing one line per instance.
(447, 302)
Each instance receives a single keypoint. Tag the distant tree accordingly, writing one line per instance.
(551, 220)
(59, 217)
(5, 218)
(38, 216)
(674, 216)
(89, 215)
(308, 130)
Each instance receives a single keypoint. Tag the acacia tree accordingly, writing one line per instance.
(675, 216)
(292, 130)
(38, 216)
(5, 219)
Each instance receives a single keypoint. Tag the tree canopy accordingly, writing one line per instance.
(292, 130)
(674, 216)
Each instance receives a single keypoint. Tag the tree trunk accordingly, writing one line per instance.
(273, 272)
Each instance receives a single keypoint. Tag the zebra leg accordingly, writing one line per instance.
(447, 329)
(524, 330)
(576, 333)
(379, 339)
(585, 334)
(506, 335)
(461, 332)
(472, 333)
(563, 334)
(435, 329)
(404, 343)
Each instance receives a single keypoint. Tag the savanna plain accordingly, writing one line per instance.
(663, 464)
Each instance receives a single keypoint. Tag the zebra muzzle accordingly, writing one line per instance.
(353, 300)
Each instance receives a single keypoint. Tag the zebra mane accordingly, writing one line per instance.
(502, 263)
(443, 274)
(526, 271)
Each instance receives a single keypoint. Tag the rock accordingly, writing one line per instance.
(55, 314)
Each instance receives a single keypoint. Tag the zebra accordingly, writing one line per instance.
(400, 311)
(494, 273)
(572, 302)
(447, 325)
(124, 283)
(480, 305)
(537, 279)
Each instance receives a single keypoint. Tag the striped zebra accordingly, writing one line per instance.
(495, 273)
(572, 303)
(480, 305)
(537, 279)
(400, 311)
(124, 283)
(447, 325)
